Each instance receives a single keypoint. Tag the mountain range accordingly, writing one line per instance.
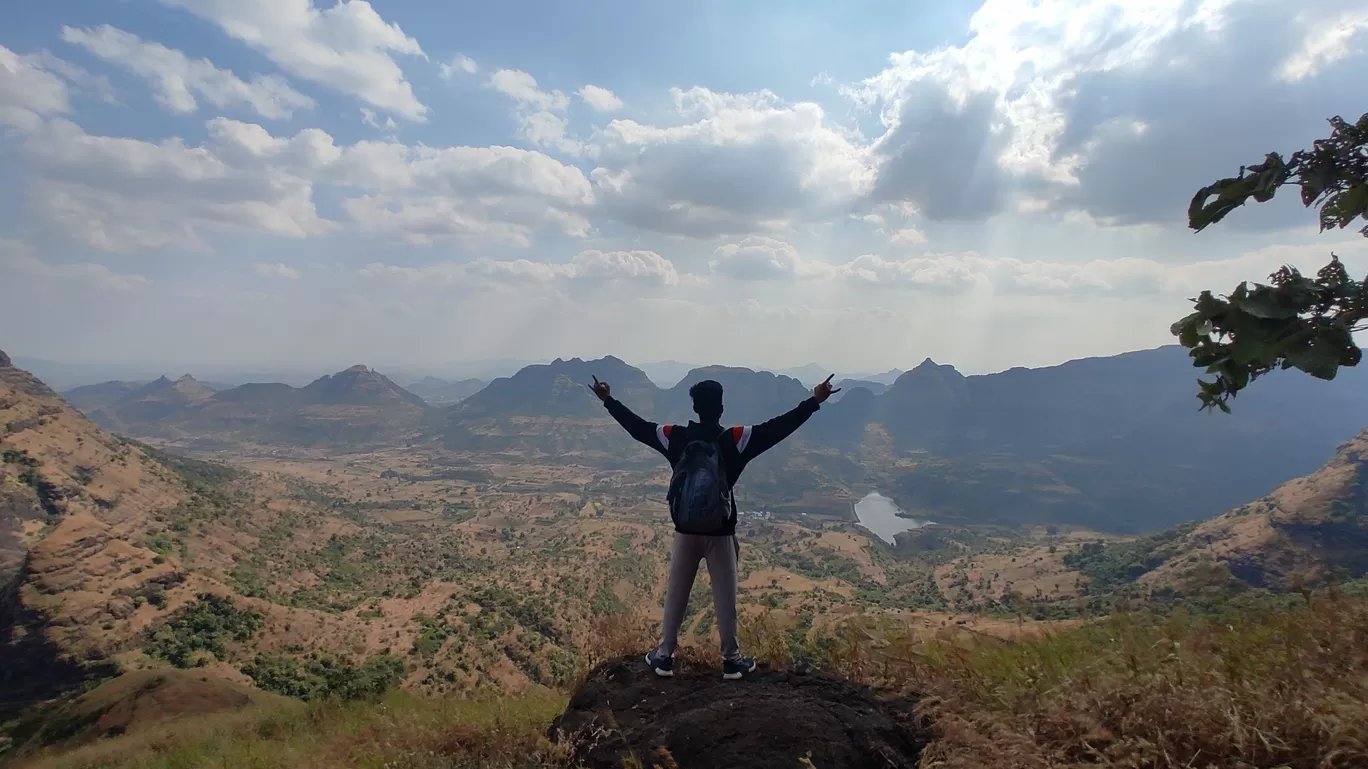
(1115, 443)
(356, 406)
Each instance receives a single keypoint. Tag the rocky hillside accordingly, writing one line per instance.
(73, 503)
(104, 541)
(1310, 531)
(357, 406)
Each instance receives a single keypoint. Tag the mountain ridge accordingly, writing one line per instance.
(1113, 442)
(355, 404)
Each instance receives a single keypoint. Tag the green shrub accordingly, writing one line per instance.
(207, 624)
(321, 676)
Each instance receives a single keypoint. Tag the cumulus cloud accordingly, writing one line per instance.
(276, 271)
(178, 79)
(459, 64)
(908, 236)
(373, 120)
(124, 194)
(20, 259)
(600, 98)
(758, 258)
(522, 88)
(1325, 42)
(77, 77)
(29, 91)
(741, 164)
(762, 258)
(346, 46)
(1115, 108)
(540, 113)
(768, 259)
(587, 269)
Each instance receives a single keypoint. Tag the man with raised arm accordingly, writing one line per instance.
(706, 459)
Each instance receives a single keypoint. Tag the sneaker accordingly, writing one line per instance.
(738, 669)
(662, 665)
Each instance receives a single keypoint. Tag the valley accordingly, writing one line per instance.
(347, 537)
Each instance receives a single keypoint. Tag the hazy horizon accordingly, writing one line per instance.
(67, 374)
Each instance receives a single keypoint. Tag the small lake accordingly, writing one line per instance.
(878, 514)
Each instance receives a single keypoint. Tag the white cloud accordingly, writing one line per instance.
(646, 267)
(460, 63)
(1325, 43)
(908, 236)
(18, 258)
(600, 98)
(945, 273)
(537, 112)
(768, 259)
(346, 46)
(743, 164)
(1038, 103)
(98, 85)
(124, 194)
(371, 119)
(276, 271)
(757, 258)
(587, 268)
(522, 88)
(179, 79)
(28, 91)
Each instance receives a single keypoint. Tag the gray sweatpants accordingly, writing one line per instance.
(721, 553)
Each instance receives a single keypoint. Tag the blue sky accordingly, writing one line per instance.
(865, 184)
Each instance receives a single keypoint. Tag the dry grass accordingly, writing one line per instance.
(401, 731)
(1254, 689)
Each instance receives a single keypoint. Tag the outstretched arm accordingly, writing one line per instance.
(646, 432)
(760, 438)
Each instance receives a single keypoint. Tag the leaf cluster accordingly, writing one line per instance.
(1295, 321)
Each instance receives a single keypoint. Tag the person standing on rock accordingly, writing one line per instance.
(707, 459)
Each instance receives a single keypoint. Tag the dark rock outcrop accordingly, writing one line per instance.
(770, 719)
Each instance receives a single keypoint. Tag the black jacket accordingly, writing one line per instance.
(750, 441)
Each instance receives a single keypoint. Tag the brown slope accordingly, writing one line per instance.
(80, 514)
(1310, 530)
(76, 501)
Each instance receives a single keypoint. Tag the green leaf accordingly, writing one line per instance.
(1177, 328)
(1264, 303)
(1317, 361)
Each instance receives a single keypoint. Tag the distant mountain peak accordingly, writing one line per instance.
(928, 363)
(5, 360)
(357, 369)
(186, 378)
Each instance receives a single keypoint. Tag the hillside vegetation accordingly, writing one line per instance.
(1246, 689)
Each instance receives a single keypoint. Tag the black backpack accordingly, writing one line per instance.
(700, 497)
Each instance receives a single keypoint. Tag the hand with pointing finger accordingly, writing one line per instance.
(601, 389)
(823, 391)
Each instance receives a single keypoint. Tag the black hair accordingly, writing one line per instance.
(707, 399)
